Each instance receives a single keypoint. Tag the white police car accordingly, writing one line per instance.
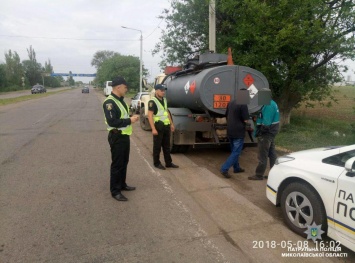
(317, 186)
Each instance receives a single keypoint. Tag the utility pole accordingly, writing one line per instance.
(140, 57)
(212, 26)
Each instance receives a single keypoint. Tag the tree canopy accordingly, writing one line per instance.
(14, 71)
(3, 81)
(70, 79)
(32, 68)
(13, 68)
(101, 56)
(111, 64)
(298, 45)
(186, 31)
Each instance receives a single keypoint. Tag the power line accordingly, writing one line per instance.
(67, 38)
(162, 19)
(154, 29)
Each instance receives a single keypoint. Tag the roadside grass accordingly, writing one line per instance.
(342, 109)
(27, 97)
(321, 125)
(14, 91)
(309, 132)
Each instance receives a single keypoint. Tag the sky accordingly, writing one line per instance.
(70, 32)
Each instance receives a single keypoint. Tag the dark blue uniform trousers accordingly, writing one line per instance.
(120, 147)
(161, 141)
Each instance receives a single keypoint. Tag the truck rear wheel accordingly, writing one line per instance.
(177, 148)
(173, 147)
(183, 148)
(144, 121)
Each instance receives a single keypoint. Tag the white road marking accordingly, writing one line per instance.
(199, 233)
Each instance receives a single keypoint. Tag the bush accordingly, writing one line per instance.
(353, 127)
(11, 88)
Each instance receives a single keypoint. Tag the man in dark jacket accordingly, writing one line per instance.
(237, 119)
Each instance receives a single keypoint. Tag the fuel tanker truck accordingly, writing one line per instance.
(198, 95)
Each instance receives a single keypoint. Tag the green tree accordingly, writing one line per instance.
(32, 68)
(3, 80)
(126, 66)
(14, 70)
(186, 31)
(101, 56)
(49, 80)
(48, 68)
(56, 81)
(296, 44)
(53, 82)
(60, 78)
(70, 80)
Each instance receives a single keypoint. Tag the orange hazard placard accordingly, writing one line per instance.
(248, 80)
(220, 101)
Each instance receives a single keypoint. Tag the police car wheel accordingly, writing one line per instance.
(301, 206)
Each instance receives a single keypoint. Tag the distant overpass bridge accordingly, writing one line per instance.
(72, 75)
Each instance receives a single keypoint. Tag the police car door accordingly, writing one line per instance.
(344, 205)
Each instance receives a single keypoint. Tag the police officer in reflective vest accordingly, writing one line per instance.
(119, 125)
(161, 123)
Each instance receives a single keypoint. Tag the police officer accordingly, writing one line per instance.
(120, 128)
(267, 127)
(162, 125)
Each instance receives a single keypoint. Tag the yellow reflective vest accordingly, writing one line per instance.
(162, 114)
(124, 115)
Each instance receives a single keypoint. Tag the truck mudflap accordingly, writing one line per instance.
(184, 134)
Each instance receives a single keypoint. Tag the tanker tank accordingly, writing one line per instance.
(212, 88)
(198, 96)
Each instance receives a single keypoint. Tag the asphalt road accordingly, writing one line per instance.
(55, 204)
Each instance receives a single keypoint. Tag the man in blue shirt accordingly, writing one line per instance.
(267, 127)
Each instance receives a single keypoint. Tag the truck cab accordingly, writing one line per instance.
(108, 88)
